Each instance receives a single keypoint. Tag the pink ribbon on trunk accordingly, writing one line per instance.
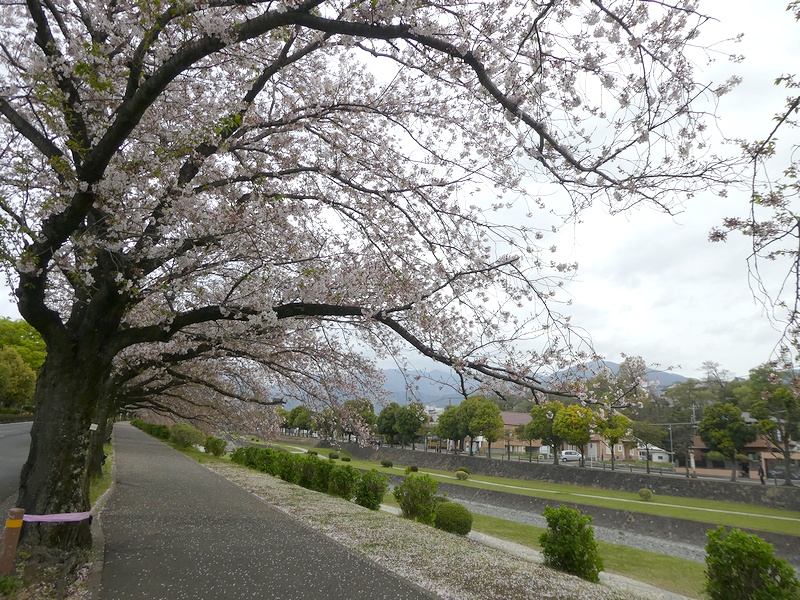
(61, 518)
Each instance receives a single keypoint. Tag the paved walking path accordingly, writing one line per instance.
(174, 529)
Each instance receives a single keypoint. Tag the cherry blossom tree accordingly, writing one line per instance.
(177, 177)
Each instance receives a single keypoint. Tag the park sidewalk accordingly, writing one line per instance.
(173, 529)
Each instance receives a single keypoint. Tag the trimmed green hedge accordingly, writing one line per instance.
(312, 472)
(159, 431)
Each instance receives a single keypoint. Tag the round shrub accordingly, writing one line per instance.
(462, 475)
(453, 518)
(333, 455)
(741, 566)
(184, 435)
(345, 458)
(416, 496)
(465, 469)
(569, 544)
(412, 469)
(312, 452)
(370, 489)
(387, 463)
(645, 494)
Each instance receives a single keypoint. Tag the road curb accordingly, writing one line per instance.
(98, 540)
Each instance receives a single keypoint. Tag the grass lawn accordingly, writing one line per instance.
(98, 485)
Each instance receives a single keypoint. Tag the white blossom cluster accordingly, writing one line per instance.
(268, 188)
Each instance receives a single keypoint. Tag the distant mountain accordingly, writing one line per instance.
(436, 387)
(664, 378)
(432, 388)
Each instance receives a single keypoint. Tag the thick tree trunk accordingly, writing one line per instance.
(787, 459)
(55, 477)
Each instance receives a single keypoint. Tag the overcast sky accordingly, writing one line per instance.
(652, 285)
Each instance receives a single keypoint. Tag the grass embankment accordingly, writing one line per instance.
(711, 512)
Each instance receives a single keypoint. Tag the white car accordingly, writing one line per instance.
(568, 455)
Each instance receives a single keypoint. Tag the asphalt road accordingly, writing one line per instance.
(174, 529)
(15, 442)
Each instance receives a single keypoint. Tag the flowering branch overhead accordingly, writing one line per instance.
(268, 187)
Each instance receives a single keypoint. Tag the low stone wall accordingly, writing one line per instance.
(783, 497)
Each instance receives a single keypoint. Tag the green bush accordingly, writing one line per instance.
(184, 435)
(453, 518)
(387, 463)
(160, 431)
(416, 497)
(741, 566)
(715, 456)
(333, 455)
(465, 469)
(646, 494)
(306, 469)
(215, 446)
(345, 458)
(322, 476)
(288, 468)
(569, 544)
(313, 452)
(343, 480)
(462, 475)
(370, 489)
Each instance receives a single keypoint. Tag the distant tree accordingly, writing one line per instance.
(466, 411)
(762, 380)
(574, 425)
(488, 423)
(17, 379)
(684, 394)
(613, 426)
(387, 421)
(541, 426)
(778, 417)
(300, 418)
(409, 422)
(771, 394)
(650, 435)
(326, 423)
(451, 427)
(283, 418)
(724, 430)
(357, 418)
(526, 434)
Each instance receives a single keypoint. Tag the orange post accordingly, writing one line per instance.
(10, 540)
